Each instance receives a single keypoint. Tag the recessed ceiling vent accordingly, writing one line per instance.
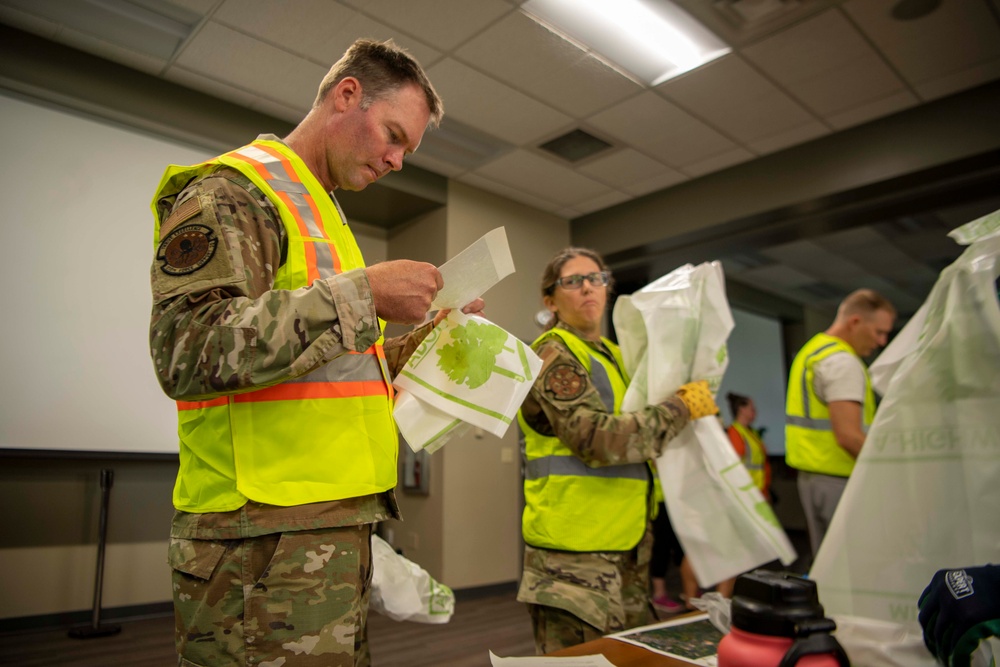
(575, 146)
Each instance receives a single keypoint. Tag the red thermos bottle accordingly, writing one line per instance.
(777, 621)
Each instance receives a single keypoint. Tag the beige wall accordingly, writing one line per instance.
(482, 475)
(466, 531)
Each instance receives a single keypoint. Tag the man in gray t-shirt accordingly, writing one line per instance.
(830, 404)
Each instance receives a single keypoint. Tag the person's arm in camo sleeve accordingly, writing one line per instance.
(573, 412)
(222, 329)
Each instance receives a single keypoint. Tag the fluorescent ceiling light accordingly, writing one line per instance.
(649, 40)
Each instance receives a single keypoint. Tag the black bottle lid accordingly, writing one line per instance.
(778, 604)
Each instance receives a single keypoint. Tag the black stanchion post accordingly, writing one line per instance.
(95, 629)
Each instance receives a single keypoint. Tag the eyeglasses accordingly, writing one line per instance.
(575, 281)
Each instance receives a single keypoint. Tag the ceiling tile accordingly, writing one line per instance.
(776, 276)
(863, 113)
(866, 247)
(542, 177)
(196, 81)
(202, 7)
(664, 180)
(959, 81)
(826, 64)
(952, 39)
(543, 65)
(434, 164)
(509, 192)
(29, 22)
(790, 137)
(323, 37)
(495, 108)
(734, 98)
(717, 162)
(597, 203)
(227, 55)
(113, 52)
(658, 128)
(625, 167)
(443, 23)
(278, 110)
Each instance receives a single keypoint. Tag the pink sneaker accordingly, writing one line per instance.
(665, 605)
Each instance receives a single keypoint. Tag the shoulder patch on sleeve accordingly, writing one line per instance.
(564, 382)
(186, 249)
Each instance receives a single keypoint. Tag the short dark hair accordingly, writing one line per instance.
(382, 68)
(736, 401)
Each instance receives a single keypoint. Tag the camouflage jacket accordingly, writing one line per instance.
(221, 329)
(577, 416)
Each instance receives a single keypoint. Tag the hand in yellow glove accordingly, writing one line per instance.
(698, 399)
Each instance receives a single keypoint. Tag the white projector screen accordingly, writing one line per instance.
(77, 246)
(757, 369)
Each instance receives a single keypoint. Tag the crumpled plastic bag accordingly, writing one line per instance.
(925, 492)
(671, 332)
(467, 370)
(404, 591)
(718, 608)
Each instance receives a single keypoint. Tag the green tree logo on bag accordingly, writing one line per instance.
(471, 356)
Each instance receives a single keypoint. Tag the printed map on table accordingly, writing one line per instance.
(694, 640)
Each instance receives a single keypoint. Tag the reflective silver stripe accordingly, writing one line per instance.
(602, 382)
(346, 368)
(281, 181)
(574, 467)
(324, 259)
(806, 422)
(805, 373)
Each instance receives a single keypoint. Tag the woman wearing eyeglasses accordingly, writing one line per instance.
(588, 483)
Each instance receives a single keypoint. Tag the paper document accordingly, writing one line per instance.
(569, 661)
(471, 272)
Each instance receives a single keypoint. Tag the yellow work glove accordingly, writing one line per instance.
(698, 399)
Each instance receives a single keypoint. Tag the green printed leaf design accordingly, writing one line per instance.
(767, 513)
(471, 356)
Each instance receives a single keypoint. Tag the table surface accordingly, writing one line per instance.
(621, 654)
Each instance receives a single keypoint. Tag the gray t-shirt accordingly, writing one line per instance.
(839, 377)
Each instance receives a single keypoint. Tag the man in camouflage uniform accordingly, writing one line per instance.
(258, 581)
(588, 478)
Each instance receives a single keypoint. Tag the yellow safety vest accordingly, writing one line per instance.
(754, 454)
(568, 505)
(809, 441)
(327, 435)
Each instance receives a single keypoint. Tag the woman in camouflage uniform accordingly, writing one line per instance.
(588, 479)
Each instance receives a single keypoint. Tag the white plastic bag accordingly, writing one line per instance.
(468, 370)
(404, 591)
(673, 331)
(925, 493)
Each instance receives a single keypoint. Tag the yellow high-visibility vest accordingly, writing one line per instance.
(568, 505)
(809, 441)
(754, 454)
(327, 435)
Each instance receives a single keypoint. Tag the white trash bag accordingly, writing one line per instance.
(404, 591)
(467, 370)
(671, 332)
(925, 492)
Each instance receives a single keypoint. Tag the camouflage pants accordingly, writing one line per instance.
(576, 597)
(295, 599)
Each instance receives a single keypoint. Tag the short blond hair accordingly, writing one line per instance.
(382, 68)
(864, 302)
